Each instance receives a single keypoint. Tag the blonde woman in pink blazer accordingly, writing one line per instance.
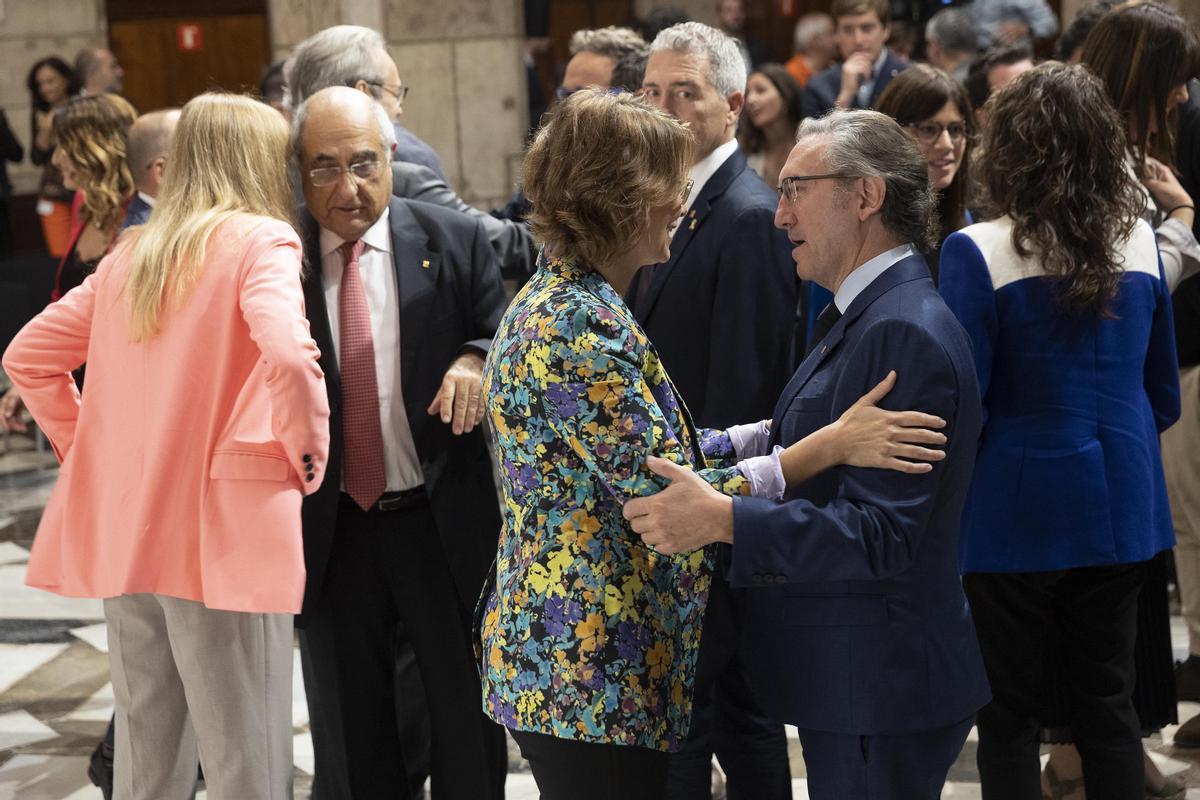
(203, 424)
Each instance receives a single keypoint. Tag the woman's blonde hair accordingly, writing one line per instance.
(93, 134)
(596, 166)
(228, 156)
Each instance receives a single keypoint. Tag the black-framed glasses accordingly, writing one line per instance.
(929, 132)
(361, 170)
(562, 92)
(399, 92)
(790, 187)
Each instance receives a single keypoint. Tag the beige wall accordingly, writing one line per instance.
(461, 59)
(30, 30)
(462, 62)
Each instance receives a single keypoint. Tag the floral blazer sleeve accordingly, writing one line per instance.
(586, 633)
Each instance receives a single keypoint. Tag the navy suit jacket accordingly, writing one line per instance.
(137, 213)
(822, 89)
(722, 310)
(856, 622)
(451, 297)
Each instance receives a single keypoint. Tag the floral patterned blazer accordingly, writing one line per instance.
(586, 633)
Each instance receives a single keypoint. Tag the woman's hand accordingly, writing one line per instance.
(1164, 186)
(869, 436)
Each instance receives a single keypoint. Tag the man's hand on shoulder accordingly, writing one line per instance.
(459, 400)
(685, 516)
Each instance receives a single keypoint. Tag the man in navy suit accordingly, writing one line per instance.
(149, 140)
(721, 314)
(860, 29)
(857, 629)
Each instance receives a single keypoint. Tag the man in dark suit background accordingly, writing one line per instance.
(403, 299)
(721, 314)
(860, 30)
(857, 631)
(149, 140)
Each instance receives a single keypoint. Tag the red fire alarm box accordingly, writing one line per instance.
(190, 37)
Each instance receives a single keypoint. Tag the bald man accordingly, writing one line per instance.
(403, 299)
(149, 140)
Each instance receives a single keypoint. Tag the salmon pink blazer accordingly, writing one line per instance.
(185, 460)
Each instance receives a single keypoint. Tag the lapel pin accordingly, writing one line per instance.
(692, 213)
(824, 348)
(692, 227)
(425, 264)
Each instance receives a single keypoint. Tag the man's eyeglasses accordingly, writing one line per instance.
(562, 92)
(327, 176)
(929, 132)
(399, 92)
(790, 187)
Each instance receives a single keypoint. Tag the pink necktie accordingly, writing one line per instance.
(364, 476)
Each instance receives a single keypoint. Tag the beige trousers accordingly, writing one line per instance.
(1181, 465)
(193, 683)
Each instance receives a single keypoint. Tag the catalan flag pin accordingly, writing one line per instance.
(425, 264)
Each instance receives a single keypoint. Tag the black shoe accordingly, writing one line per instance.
(1187, 679)
(100, 769)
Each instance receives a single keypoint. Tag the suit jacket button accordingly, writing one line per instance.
(756, 579)
(309, 476)
(780, 580)
(307, 458)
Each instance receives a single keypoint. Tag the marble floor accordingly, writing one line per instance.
(55, 695)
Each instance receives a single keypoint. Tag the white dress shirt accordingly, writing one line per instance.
(707, 166)
(378, 272)
(147, 199)
(865, 274)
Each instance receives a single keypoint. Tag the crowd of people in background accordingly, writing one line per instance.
(831, 395)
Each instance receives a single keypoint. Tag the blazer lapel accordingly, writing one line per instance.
(416, 284)
(314, 304)
(907, 269)
(692, 220)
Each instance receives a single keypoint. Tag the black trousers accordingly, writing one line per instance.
(387, 568)
(565, 769)
(1092, 613)
(726, 719)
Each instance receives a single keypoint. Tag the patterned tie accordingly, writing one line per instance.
(363, 449)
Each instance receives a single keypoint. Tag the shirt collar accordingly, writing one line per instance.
(864, 275)
(147, 199)
(706, 167)
(377, 237)
(878, 67)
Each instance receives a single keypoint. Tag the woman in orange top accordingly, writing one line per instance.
(204, 423)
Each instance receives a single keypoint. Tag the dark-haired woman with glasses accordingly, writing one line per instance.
(935, 110)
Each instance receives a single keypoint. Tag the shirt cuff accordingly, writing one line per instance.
(750, 440)
(764, 474)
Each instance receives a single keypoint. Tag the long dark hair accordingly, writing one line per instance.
(753, 138)
(1053, 160)
(62, 68)
(1141, 51)
(917, 94)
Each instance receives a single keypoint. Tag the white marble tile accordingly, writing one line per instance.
(97, 708)
(19, 728)
(95, 635)
(18, 660)
(12, 553)
(37, 777)
(520, 786)
(24, 602)
(302, 752)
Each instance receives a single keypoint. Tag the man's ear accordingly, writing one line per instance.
(870, 196)
(157, 167)
(737, 101)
